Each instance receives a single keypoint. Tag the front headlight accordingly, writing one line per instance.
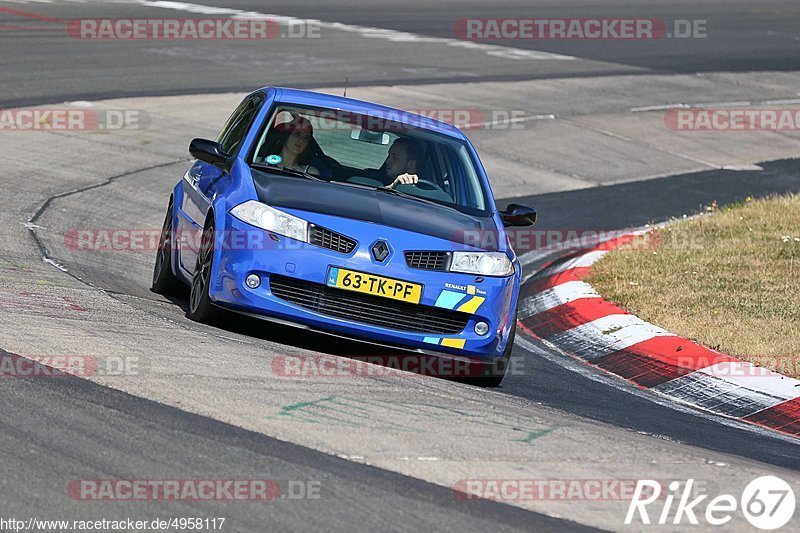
(483, 263)
(271, 219)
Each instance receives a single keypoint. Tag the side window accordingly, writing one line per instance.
(446, 173)
(238, 125)
(464, 181)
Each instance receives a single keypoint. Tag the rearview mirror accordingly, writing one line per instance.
(373, 137)
(209, 151)
(518, 215)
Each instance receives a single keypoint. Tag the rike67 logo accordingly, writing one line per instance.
(767, 503)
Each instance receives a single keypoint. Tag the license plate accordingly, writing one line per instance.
(376, 285)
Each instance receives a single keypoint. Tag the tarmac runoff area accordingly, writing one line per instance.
(576, 133)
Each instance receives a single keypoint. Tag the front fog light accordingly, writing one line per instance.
(481, 328)
(253, 281)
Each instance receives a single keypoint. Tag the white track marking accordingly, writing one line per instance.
(719, 395)
(664, 107)
(581, 261)
(606, 335)
(791, 101)
(752, 377)
(555, 296)
(743, 168)
(363, 31)
(741, 103)
(585, 260)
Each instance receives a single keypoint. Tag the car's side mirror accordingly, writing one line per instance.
(209, 151)
(518, 215)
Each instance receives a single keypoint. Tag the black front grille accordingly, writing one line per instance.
(427, 260)
(331, 240)
(368, 309)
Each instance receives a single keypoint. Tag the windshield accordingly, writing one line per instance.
(345, 147)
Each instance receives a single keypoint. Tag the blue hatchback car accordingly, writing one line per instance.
(350, 218)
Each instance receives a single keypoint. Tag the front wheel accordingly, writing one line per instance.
(200, 307)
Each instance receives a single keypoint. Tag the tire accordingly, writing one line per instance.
(498, 370)
(200, 307)
(165, 281)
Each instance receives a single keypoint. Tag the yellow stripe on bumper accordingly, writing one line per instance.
(471, 305)
(454, 343)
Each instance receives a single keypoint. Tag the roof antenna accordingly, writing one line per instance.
(345, 87)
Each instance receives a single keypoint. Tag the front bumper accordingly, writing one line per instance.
(488, 300)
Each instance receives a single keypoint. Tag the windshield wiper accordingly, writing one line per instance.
(355, 185)
(289, 171)
(412, 197)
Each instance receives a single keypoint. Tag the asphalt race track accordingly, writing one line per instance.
(745, 35)
(80, 422)
(386, 451)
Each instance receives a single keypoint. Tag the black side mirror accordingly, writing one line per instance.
(518, 215)
(209, 151)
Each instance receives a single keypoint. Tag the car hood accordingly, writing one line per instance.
(373, 206)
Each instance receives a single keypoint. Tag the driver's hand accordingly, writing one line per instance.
(405, 179)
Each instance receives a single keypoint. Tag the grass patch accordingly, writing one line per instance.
(729, 280)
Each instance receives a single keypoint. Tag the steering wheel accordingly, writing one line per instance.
(427, 185)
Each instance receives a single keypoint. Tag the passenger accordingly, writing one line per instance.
(293, 142)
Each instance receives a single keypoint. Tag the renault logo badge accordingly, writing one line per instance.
(380, 251)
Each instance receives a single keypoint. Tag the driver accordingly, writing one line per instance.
(405, 158)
